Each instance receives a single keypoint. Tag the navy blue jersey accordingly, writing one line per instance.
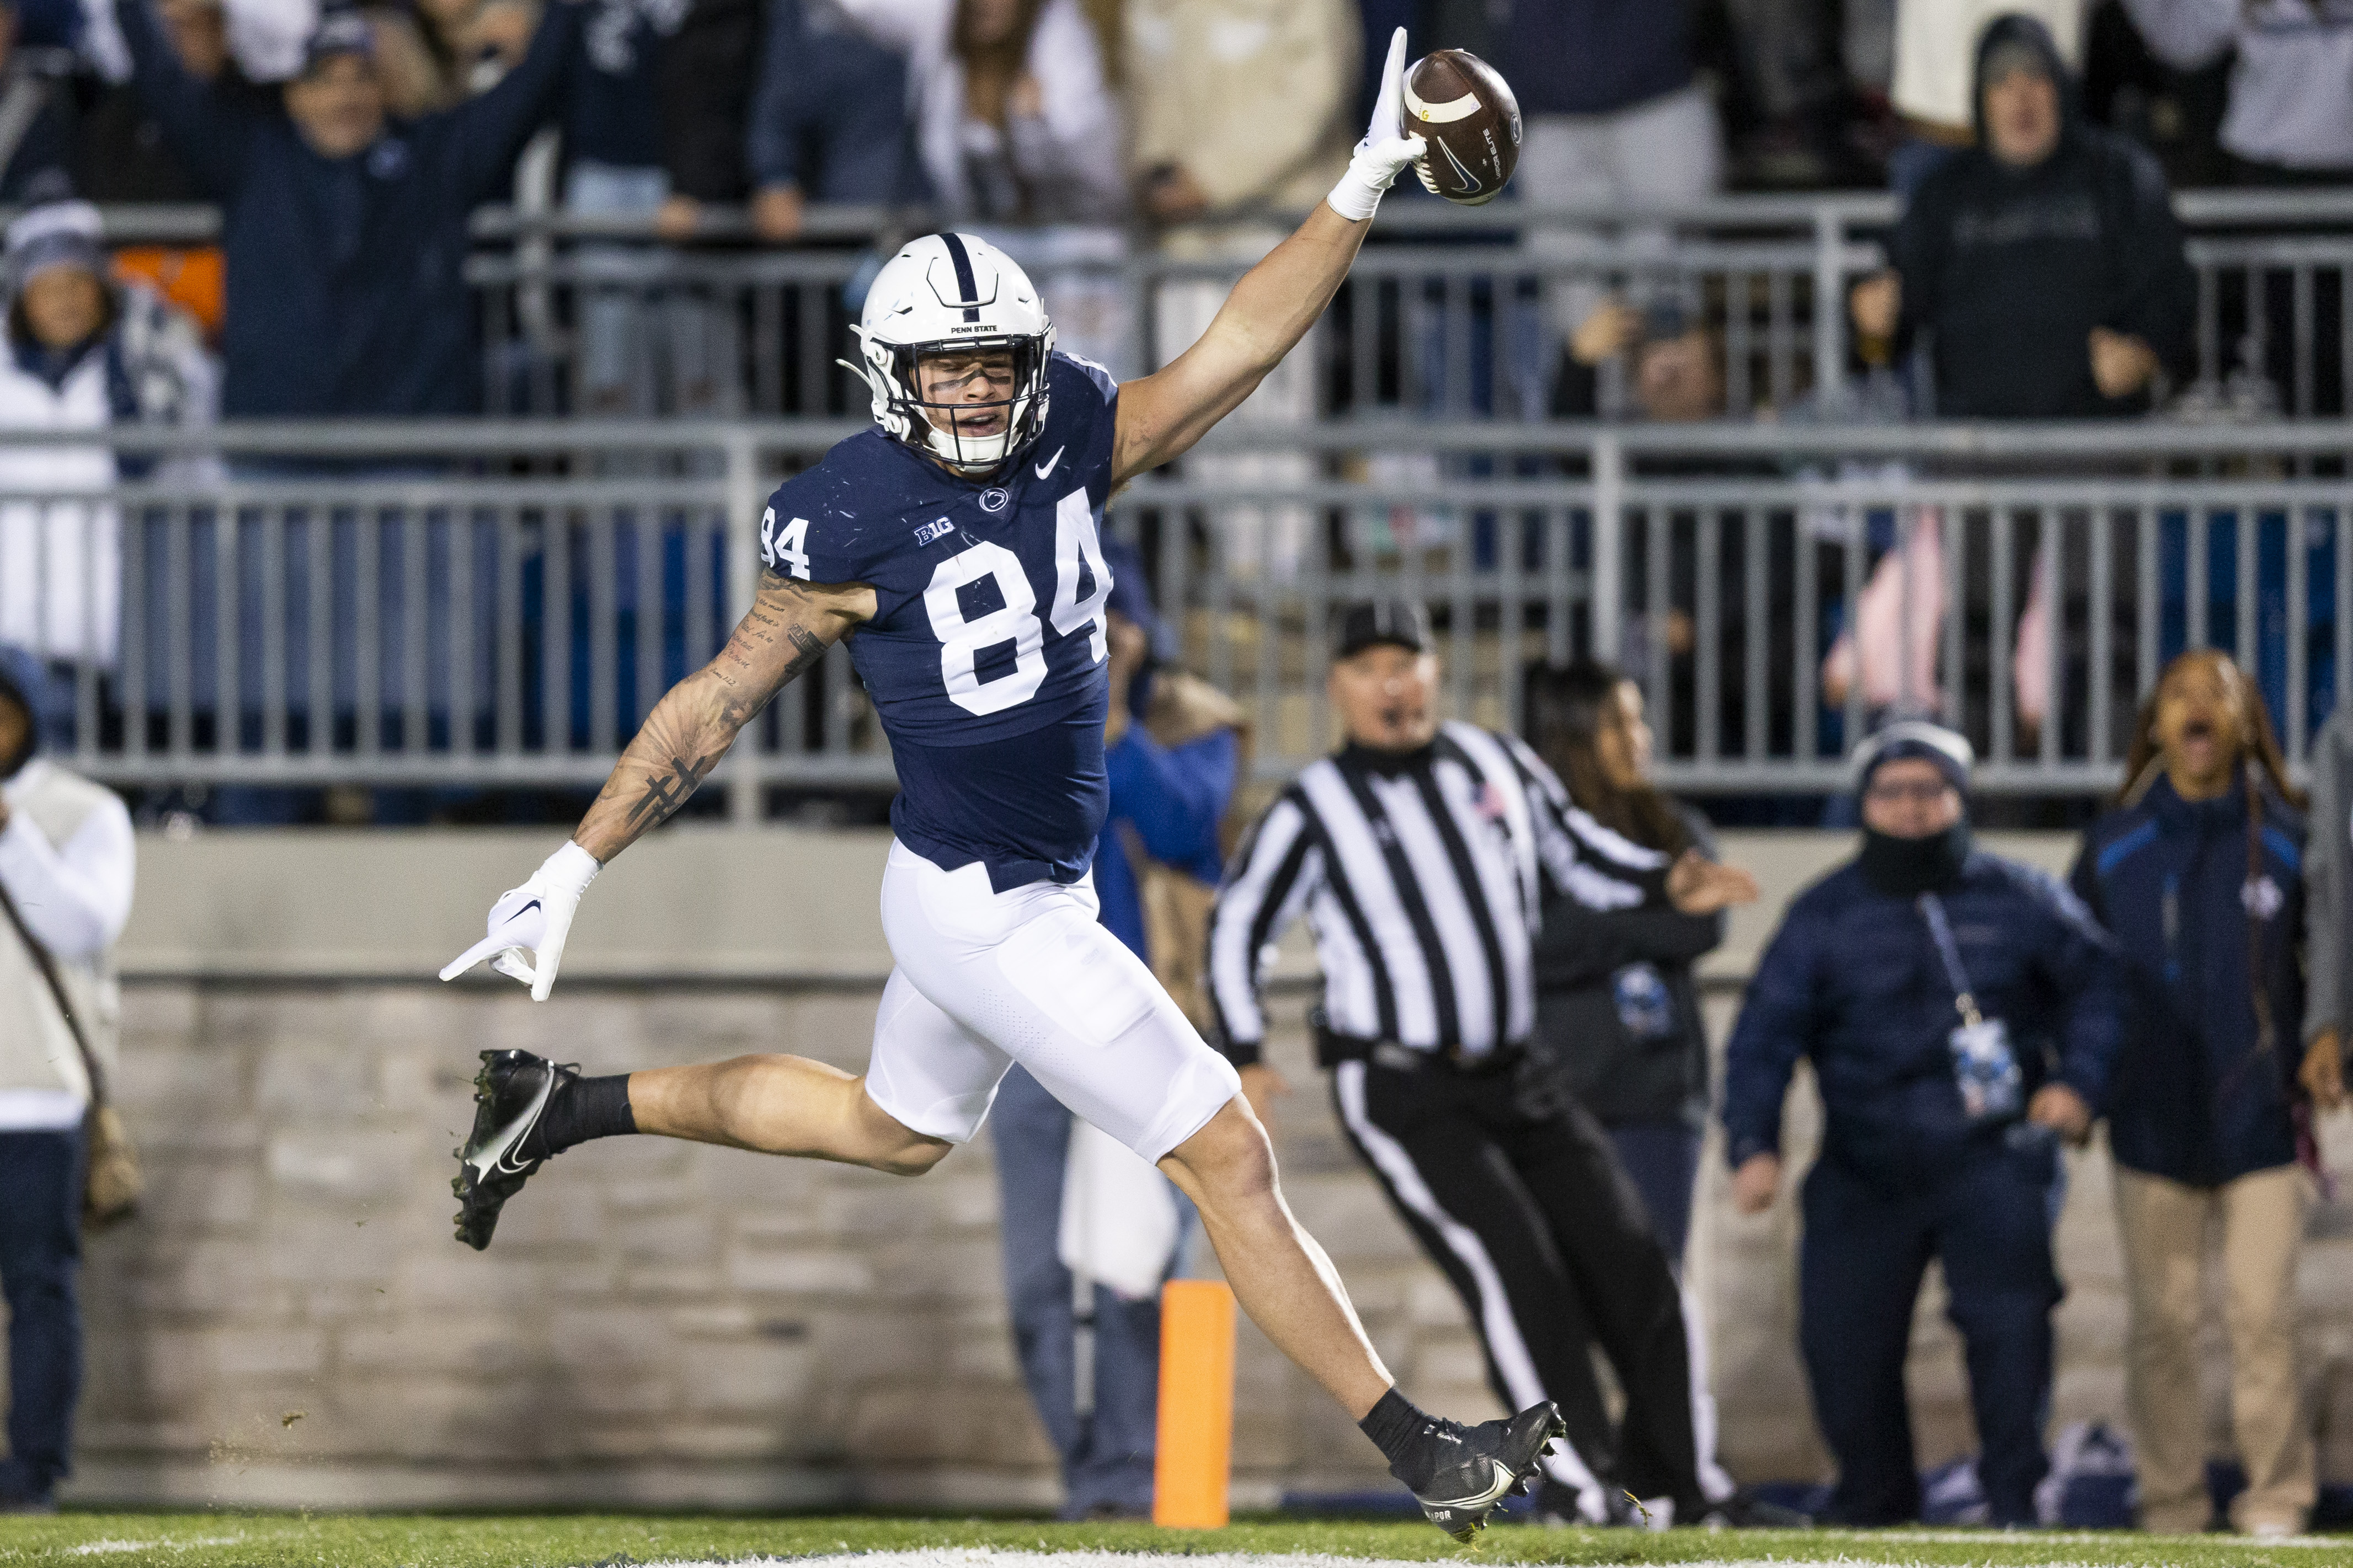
(986, 657)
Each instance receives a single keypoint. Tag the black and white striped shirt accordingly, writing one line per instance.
(1423, 877)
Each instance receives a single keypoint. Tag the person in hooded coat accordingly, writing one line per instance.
(2199, 872)
(1962, 1013)
(2041, 269)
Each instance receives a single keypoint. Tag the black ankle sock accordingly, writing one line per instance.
(590, 1108)
(1395, 1425)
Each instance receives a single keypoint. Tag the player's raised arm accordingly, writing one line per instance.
(1161, 415)
(787, 629)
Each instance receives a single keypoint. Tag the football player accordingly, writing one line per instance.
(957, 546)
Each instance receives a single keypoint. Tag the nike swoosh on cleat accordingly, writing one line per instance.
(1503, 1484)
(503, 1142)
(1049, 465)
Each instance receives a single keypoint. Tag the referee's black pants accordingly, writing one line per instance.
(1517, 1197)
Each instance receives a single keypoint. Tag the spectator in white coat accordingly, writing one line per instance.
(1020, 137)
(1243, 112)
(65, 864)
(83, 353)
(1014, 119)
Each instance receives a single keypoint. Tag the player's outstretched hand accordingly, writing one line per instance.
(1385, 152)
(529, 924)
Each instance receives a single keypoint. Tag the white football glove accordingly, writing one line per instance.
(1386, 150)
(529, 924)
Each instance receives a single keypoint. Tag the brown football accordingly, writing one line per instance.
(1464, 109)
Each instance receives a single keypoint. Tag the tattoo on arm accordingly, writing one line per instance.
(738, 666)
(807, 651)
(669, 791)
(782, 636)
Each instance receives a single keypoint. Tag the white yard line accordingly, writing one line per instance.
(1230, 1560)
(961, 1557)
(107, 1548)
(2076, 1538)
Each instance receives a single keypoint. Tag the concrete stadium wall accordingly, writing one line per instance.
(289, 1323)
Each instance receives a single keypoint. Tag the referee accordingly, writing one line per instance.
(1419, 854)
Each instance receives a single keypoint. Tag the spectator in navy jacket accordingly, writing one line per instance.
(702, 82)
(613, 168)
(36, 129)
(2199, 872)
(1615, 115)
(1611, 98)
(119, 151)
(1170, 786)
(828, 120)
(345, 230)
(1899, 976)
(612, 120)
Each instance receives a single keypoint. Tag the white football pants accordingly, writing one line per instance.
(987, 979)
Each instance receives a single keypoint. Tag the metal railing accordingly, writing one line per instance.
(1450, 312)
(1780, 590)
(494, 604)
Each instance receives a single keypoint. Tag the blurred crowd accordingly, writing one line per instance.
(347, 148)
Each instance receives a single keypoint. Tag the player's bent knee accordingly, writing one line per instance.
(913, 1159)
(889, 1145)
(1228, 1158)
(912, 1162)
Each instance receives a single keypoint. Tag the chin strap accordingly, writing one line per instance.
(868, 374)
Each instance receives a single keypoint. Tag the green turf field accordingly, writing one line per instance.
(416, 1540)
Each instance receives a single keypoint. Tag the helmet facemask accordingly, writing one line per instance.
(939, 429)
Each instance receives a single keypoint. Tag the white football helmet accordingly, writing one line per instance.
(954, 291)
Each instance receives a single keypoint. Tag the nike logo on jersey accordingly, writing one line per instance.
(1049, 465)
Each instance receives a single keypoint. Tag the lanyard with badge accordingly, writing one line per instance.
(1984, 1065)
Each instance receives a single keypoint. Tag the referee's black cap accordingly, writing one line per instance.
(1402, 623)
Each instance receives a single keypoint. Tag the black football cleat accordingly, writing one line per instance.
(1474, 1469)
(511, 1096)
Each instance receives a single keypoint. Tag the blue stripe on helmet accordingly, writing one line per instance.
(967, 286)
